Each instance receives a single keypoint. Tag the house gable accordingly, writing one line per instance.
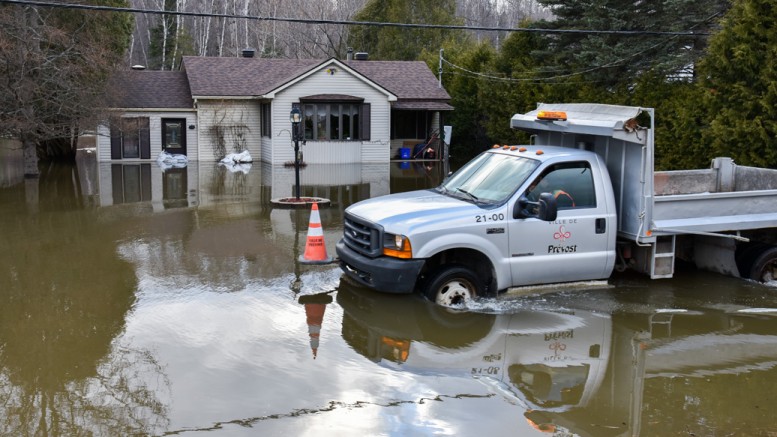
(331, 67)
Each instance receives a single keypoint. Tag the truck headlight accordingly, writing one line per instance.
(397, 246)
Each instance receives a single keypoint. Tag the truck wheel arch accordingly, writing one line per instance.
(764, 267)
(746, 256)
(472, 259)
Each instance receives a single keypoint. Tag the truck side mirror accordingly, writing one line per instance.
(548, 209)
(545, 209)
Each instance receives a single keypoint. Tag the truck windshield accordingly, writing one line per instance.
(489, 178)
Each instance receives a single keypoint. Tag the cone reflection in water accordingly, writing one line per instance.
(315, 249)
(315, 318)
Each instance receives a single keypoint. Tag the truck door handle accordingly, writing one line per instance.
(601, 225)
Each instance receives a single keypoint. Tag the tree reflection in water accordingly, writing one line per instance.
(64, 296)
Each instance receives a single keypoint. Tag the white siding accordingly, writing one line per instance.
(103, 140)
(377, 149)
(241, 128)
(266, 155)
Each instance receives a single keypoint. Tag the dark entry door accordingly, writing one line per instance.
(174, 135)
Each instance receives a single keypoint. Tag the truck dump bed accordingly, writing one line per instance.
(725, 197)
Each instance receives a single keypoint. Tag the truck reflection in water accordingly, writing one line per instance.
(583, 372)
(551, 360)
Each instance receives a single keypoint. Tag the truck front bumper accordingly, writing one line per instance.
(389, 275)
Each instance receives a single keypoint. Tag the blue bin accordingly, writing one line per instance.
(404, 153)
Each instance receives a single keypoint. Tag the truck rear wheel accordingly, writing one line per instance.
(764, 267)
(453, 286)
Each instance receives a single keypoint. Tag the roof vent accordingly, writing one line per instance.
(361, 56)
(349, 54)
(138, 67)
(248, 53)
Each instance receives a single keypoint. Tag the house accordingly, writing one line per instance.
(353, 111)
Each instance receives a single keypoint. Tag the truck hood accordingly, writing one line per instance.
(407, 207)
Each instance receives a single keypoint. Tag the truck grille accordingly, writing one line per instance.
(362, 236)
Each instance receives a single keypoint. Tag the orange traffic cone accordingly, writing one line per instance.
(315, 250)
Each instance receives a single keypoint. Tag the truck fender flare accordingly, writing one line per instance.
(444, 243)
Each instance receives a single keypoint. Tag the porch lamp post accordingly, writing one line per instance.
(295, 117)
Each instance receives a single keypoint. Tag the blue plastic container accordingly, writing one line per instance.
(404, 153)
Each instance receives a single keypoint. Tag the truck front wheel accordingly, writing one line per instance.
(764, 267)
(453, 286)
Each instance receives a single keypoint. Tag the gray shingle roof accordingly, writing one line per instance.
(211, 76)
(405, 79)
(150, 89)
(412, 82)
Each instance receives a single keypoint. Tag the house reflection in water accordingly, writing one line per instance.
(208, 183)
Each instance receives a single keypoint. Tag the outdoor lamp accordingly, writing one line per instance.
(295, 117)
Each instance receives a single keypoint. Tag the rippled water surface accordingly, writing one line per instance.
(136, 300)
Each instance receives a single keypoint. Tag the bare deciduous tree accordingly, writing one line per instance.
(52, 63)
(227, 33)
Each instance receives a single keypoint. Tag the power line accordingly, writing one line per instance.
(545, 80)
(349, 22)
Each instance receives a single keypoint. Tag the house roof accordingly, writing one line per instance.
(213, 76)
(414, 85)
(405, 79)
(241, 77)
(150, 89)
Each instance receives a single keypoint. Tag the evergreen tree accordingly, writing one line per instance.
(169, 40)
(613, 59)
(740, 80)
(680, 121)
(469, 120)
(518, 88)
(401, 43)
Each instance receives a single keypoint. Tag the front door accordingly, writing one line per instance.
(578, 245)
(174, 136)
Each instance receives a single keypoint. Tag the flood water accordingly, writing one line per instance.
(137, 300)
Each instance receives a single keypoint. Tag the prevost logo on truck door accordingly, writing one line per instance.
(568, 247)
(562, 235)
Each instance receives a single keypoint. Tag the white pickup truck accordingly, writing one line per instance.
(581, 200)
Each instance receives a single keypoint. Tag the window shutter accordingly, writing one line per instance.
(144, 138)
(364, 122)
(115, 140)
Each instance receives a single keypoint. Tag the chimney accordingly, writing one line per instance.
(248, 52)
(349, 54)
(361, 56)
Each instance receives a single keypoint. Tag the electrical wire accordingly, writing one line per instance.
(349, 22)
(548, 79)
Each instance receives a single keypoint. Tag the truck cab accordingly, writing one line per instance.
(513, 216)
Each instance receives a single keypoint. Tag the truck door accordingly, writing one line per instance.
(574, 247)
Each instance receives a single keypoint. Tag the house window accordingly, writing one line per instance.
(174, 135)
(409, 124)
(130, 138)
(266, 120)
(338, 121)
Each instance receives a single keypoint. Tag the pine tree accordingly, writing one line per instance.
(612, 59)
(401, 43)
(740, 77)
